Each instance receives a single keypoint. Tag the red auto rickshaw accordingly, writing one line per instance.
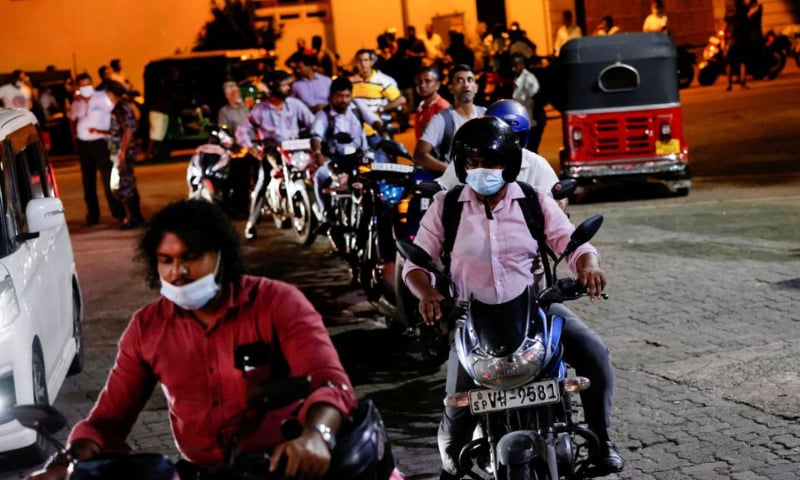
(621, 111)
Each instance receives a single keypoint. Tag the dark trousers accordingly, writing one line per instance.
(94, 156)
(584, 350)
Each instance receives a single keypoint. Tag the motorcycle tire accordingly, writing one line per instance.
(282, 218)
(777, 60)
(303, 222)
(685, 77)
(707, 76)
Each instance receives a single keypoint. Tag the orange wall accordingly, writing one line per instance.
(82, 35)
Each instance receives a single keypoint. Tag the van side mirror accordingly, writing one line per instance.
(44, 213)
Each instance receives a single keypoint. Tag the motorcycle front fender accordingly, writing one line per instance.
(522, 446)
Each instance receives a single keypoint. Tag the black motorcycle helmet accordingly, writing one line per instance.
(487, 137)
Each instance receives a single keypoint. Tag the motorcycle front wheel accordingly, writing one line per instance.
(302, 217)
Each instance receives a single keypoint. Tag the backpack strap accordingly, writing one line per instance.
(534, 218)
(449, 131)
(451, 217)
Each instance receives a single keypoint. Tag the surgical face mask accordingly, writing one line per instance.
(193, 295)
(485, 181)
(86, 91)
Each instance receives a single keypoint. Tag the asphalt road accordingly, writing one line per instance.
(702, 319)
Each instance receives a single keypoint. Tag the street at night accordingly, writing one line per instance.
(701, 319)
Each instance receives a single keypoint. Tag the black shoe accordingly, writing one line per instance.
(608, 458)
(447, 476)
(131, 224)
(92, 221)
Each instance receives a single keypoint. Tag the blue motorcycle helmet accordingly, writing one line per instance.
(515, 115)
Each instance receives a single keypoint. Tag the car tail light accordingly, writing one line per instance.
(665, 131)
(577, 137)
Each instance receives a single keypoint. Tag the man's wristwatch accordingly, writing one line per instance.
(326, 433)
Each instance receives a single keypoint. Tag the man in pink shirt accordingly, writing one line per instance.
(191, 342)
(492, 261)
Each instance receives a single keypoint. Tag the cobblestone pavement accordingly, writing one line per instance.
(702, 324)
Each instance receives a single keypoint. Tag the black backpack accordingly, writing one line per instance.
(531, 209)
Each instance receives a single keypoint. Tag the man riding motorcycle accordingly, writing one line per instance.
(276, 119)
(492, 261)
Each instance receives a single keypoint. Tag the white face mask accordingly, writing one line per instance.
(193, 295)
(86, 91)
(485, 181)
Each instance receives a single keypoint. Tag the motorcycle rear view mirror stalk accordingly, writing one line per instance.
(582, 234)
(420, 257)
(43, 419)
(564, 189)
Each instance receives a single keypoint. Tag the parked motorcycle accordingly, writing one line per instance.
(767, 63)
(513, 352)
(362, 450)
(221, 171)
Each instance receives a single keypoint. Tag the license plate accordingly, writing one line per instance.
(296, 144)
(392, 167)
(667, 148)
(538, 393)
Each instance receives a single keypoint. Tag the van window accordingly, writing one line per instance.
(11, 218)
(618, 78)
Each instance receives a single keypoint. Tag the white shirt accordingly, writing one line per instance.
(92, 113)
(534, 170)
(654, 23)
(434, 47)
(434, 131)
(566, 34)
(15, 97)
(525, 87)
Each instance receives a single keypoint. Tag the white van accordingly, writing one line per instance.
(40, 298)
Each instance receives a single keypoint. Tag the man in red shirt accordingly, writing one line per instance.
(428, 83)
(189, 340)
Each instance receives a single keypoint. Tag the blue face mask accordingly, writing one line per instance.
(485, 181)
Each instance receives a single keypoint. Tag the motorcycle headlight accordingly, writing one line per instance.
(390, 194)
(508, 372)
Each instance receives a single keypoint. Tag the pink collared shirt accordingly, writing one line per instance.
(206, 394)
(493, 259)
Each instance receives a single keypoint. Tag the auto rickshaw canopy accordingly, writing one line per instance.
(619, 71)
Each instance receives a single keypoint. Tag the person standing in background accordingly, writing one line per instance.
(657, 20)
(434, 46)
(91, 112)
(606, 26)
(526, 87)
(566, 32)
(17, 93)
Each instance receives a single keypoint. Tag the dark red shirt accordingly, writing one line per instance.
(426, 111)
(206, 394)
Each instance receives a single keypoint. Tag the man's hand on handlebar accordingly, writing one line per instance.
(56, 467)
(307, 456)
(430, 307)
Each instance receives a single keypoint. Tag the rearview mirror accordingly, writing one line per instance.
(584, 232)
(394, 148)
(416, 255)
(41, 418)
(564, 188)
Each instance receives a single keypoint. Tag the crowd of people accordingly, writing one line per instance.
(192, 254)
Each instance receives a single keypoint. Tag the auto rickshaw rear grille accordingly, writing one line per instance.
(629, 135)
